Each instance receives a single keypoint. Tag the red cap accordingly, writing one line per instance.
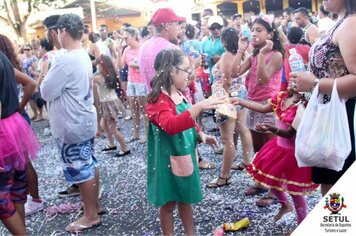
(164, 16)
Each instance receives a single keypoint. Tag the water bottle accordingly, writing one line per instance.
(296, 61)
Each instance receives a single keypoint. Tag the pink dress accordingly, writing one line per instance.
(275, 165)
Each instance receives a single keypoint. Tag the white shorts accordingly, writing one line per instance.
(136, 89)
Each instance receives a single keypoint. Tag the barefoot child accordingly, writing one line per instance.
(172, 168)
(275, 166)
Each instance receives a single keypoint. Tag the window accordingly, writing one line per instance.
(252, 6)
(227, 9)
(300, 3)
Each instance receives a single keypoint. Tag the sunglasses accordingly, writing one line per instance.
(27, 49)
(215, 28)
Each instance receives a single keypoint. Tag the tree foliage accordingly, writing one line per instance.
(16, 12)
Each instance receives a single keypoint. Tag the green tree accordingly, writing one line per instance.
(18, 11)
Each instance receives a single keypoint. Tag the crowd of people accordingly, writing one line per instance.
(166, 77)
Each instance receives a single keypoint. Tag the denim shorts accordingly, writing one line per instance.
(136, 89)
(78, 161)
(239, 92)
(13, 189)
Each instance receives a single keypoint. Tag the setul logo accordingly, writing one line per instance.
(335, 222)
(334, 205)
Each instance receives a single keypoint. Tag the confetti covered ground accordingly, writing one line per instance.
(124, 196)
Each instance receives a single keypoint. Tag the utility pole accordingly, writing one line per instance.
(93, 15)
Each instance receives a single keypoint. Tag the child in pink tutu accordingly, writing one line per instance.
(18, 144)
(275, 166)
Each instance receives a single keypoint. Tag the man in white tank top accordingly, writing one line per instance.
(311, 32)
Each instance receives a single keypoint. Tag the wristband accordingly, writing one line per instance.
(315, 82)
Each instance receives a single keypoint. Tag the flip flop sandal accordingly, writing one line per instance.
(266, 201)
(132, 139)
(107, 149)
(102, 212)
(240, 166)
(122, 153)
(207, 166)
(80, 228)
(214, 183)
(255, 190)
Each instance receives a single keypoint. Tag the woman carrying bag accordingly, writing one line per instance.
(333, 57)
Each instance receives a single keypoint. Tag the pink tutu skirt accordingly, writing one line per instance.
(18, 143)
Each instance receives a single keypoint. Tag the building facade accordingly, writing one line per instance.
(248, 7)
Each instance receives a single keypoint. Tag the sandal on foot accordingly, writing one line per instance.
(132, 139)
(75, 227)
(240, 166)
(122, 153)
(215, 182)
(100, 213)
(206, 165)
(266, 201)
(255, 190)
(107, 149)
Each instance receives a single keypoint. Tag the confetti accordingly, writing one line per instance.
(124, 196)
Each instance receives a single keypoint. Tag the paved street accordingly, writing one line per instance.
(124, 196)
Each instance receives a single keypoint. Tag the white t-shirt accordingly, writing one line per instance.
(325, 24)
(67, 88)
(104, 47)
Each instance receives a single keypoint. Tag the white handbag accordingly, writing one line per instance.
(323, 137)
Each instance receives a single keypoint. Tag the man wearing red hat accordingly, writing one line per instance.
(166, 26)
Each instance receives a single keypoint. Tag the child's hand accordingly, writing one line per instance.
(236, 101)
(213, 103)
(264, 127)
(243, 43)
(208, 139)
(266, 49)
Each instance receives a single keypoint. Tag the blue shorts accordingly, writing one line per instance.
(78, 161)
(136, 89)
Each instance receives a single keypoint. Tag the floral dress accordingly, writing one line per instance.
(326, 62)
(27, 63)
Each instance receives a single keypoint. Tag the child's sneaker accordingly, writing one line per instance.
(32, 206)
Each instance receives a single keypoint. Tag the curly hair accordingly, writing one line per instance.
(7, 48)
(230, 39)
